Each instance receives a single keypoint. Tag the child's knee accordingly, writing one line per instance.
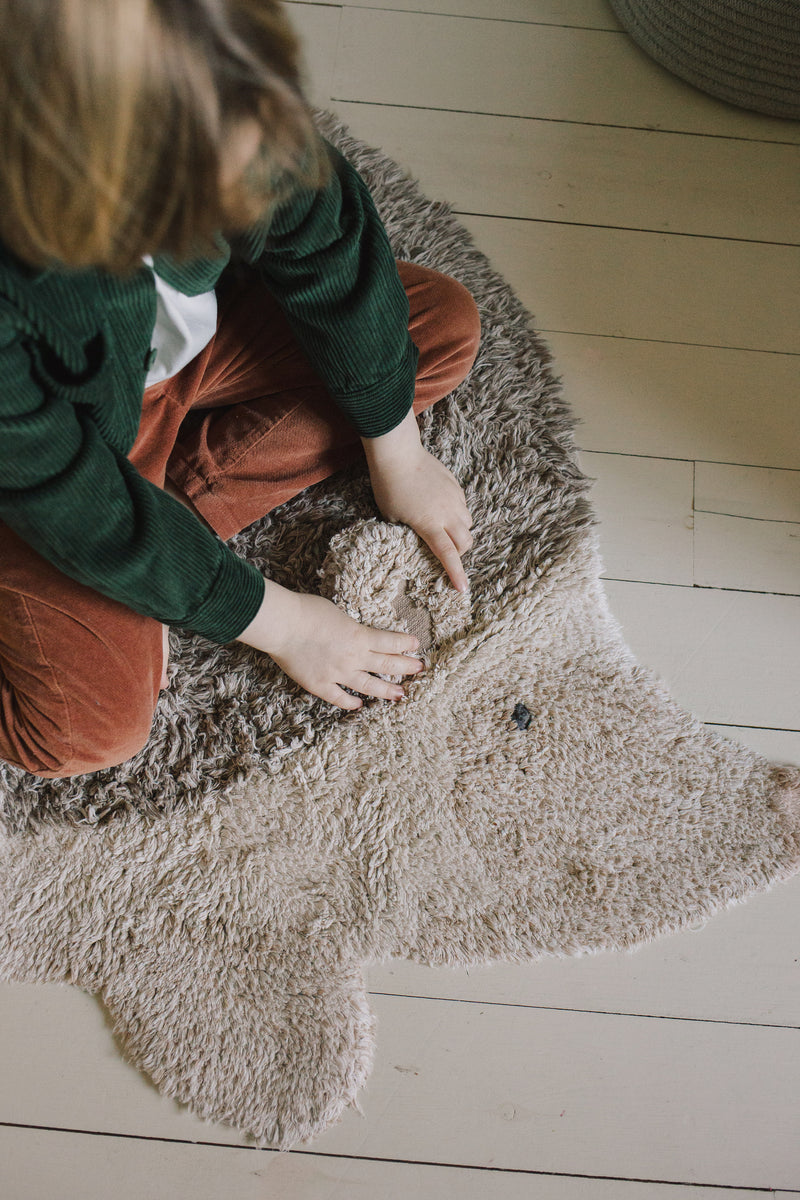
(58, 756)
(464, 319)
(78, 677)
(77, 740)
(446, 328)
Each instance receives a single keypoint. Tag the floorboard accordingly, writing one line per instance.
(649, 286)
(668, 400)
(42, 1164)
(596, 77)
(590, 174)
(484, 1085)
(729, 657)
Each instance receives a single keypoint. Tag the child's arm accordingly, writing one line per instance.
(326, 258)
(328, 261)
(75, 497)
(412, 486)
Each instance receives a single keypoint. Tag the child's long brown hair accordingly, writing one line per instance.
(114, 121)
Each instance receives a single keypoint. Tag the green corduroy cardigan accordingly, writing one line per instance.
(75, 347)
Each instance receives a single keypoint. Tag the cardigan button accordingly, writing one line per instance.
(150, 357)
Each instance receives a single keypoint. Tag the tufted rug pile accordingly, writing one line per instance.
(538, 793)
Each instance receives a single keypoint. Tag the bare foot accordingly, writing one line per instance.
(164, 676)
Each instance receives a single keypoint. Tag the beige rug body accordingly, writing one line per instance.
(229, 943)
(538, 793)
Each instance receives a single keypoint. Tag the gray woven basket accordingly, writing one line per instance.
(744, 51)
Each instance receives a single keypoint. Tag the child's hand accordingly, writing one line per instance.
(324, 650)
(412, 486)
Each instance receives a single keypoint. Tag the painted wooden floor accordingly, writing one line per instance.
(654, 233)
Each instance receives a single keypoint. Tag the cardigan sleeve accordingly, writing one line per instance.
(85, 508)
(326, 258)
(77, 500)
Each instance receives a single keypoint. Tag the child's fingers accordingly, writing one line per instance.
(457, 576)
(370, 685)
(445, 550)
(461, 538)
(338, 696)
(395, 664)
(382, 642)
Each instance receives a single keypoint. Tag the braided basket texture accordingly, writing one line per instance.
(744, 51)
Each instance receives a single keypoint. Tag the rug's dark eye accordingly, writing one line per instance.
(520, 716)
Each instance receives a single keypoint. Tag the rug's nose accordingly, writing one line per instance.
(385, 576)
(414, 617)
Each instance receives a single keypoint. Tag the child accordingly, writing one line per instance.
(200, 315)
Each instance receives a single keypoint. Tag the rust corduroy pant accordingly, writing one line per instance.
(242, 428)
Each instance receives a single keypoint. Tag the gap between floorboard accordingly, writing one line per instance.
(739, 725)
(678, 233)
(597, 1012)
(714, 462)
(369, 1158)
(715, 512)
(471, 112)
(627, 337)
(433, 12)
(705, 587)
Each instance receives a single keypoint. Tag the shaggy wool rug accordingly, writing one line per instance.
(538, 793)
